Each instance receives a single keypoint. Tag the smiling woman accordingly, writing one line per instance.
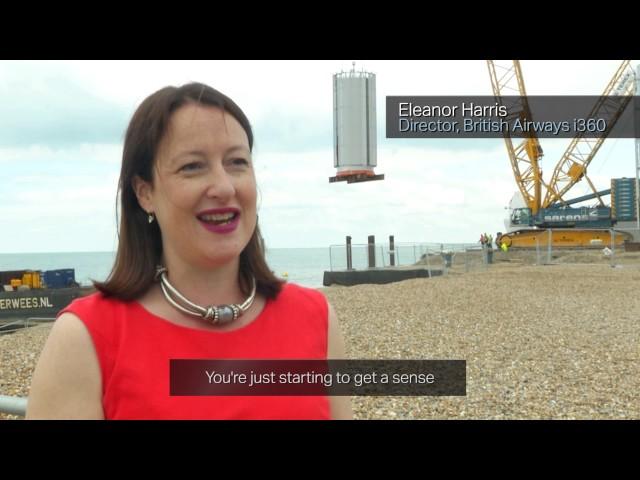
(190, 280)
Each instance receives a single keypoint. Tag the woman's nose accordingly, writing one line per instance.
(220, 184)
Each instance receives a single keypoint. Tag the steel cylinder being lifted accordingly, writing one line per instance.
(354, 126)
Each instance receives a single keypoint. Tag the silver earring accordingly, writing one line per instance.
(151, 218)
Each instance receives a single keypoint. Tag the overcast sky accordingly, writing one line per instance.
(62, 126)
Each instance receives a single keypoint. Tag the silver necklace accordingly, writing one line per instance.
(215, 314)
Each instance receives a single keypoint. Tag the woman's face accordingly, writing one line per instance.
(204, 195)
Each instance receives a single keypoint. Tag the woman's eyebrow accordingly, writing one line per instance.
(237, 147)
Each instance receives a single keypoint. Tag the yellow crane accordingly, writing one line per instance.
(525, 157)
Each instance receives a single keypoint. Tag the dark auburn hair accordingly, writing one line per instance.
(140, 243)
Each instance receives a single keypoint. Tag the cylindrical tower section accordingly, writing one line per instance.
(354, 123)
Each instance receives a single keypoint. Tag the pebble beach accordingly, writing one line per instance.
(540, 341)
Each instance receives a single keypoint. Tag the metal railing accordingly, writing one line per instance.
(405, 254)
(13, 405)
(24, 323)
(338, 259)
(547, 254)
(474, 257)
(5, 327)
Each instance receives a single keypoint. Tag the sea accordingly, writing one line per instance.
(304, 266)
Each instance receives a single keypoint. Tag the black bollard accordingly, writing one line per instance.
(372, 251)
(392, 252)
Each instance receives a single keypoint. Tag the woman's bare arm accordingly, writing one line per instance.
(340, 406)
(67, 383)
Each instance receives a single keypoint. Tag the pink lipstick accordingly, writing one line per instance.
(220, 220)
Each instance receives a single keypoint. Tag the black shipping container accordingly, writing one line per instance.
(6, 276)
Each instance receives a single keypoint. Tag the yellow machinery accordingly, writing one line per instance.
(32, 279)
(541, 198)
(563, 237)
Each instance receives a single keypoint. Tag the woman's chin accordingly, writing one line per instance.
(218, 259)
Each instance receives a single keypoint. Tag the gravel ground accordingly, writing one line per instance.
(541, 342)
(18, 356)
(546, 342)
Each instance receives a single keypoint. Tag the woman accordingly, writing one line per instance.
(189, 281)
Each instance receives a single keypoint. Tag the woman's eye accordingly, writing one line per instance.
(191, 166)
(240, 161)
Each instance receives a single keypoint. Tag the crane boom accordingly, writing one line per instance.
(566, 226)
(507, 80)
(573, 164)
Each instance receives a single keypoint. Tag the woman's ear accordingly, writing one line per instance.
(142, 189)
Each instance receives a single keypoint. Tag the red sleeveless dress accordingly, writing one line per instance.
(134, 347)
